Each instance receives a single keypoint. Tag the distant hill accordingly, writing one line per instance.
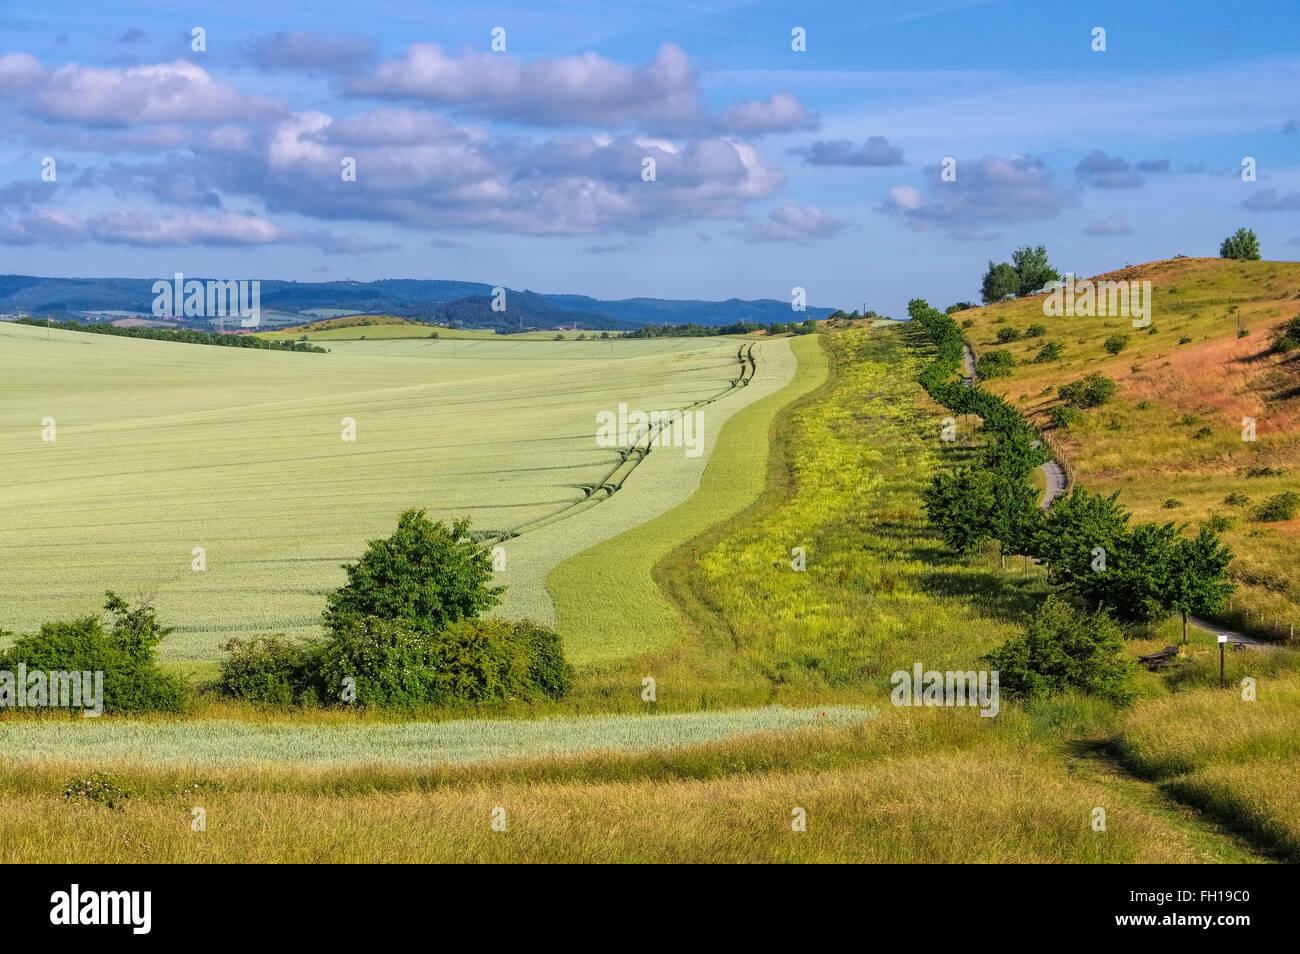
(463, 304)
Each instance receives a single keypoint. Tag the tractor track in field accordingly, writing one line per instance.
(631, 457)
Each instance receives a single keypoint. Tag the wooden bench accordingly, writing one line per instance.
(1154, 661)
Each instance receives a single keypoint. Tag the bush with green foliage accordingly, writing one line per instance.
(995, 364)
(1007, 335)
(394, 665)
(1062, 416)
(1064, 650)
(1242, 244)
(426, 574)
(1286, 340)
(1051, 351)
(1283, 506)
(1036, 331)
(1092, 390)
(270, 669)
(126, 653)
(1115, 344)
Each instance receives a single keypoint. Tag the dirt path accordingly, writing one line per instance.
(1054, 474)
(1232, 634)
(968, 357)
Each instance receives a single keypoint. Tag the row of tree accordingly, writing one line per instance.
(1139, 573)
(183, 335)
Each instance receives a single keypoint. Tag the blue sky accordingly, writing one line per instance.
(774, 168)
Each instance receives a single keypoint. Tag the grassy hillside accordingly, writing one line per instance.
(1171, 438)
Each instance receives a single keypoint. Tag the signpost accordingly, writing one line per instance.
(1223, 641)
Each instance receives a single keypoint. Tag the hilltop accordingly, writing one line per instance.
(1174, 438)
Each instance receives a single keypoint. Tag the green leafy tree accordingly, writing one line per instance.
(1016, 517)
(1242, 244)
(1198, 576)
(1033, 271)
(1000, 281)
(1136, 581)
(426, 574)
(960, 506)
(1078, 524)
(1063, 650)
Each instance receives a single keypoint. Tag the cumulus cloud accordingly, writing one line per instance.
(587, 89)
(217, 147)
(990, 190)
(1111, 225)
(1270, 201)
(876, 151)
(793, 223)
(1153, 165)
(176, 92)
(781, 113)
(1106, 172)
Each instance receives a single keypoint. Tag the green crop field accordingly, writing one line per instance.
(161, 448)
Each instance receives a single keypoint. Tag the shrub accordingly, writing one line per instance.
(1242, 332)
(1006, 335)
(1184, 340)
(1048, 352)
(1064, 650)
(968, 323)
(1093, 390)
(271, 670)
(1283, 506)
(393, 663)
(1172, 503)
(1202, 432)
(1288, 339)
(426, 574)
(995, 364)
(1036, 331)
(1062, 416)
(472, 660)
(1144, 406)
(1217, 523)
(1115, 344)
(126, 654)
(1235, 499)
(548, 672)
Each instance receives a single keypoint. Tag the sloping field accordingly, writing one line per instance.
(162, 448)
(1171, 439)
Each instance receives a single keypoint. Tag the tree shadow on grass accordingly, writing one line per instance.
(996, 594)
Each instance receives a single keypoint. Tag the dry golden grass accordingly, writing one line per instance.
(928, 787)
